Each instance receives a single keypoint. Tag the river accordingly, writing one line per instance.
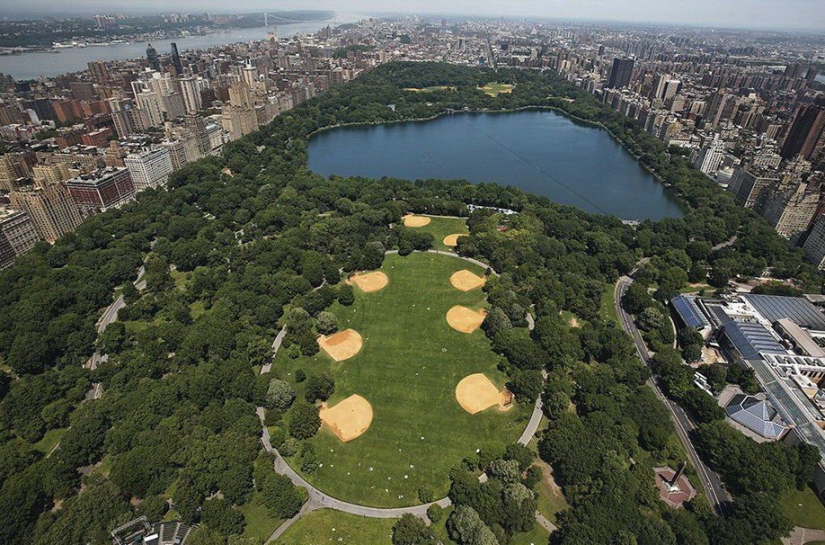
(33, 65)
(541, 152)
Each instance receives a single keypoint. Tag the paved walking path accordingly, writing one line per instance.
(800, 536)
(276, 345)
(545, 523)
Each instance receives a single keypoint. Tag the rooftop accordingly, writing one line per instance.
(752, 338)
(756, 414)
(798, 309)
(689, 312)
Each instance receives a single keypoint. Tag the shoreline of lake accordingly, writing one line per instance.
(667, 202)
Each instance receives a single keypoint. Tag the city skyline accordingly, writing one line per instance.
(755, 14)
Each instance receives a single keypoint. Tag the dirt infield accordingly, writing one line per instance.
(342, 345)
(411, 220)
(348, 419)
(452, 240)
(370, 282)
(476, 392)
(464, 280)
(465, 319)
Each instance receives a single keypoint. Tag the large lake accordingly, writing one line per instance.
(541, 152)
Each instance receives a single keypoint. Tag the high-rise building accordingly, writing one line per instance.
(239, 95)
(196, 126)
(190, 90)
(51, 209)
(176, 59)
(99, 72)
(149, 169)
(789, 209)
(101, 190)
(815, 244)
(17, 236)
(710, 157)
(746, 185)
(50, 174)
(13, 171)
(152, 57)
(82, 90)
(150, 103)
(621, 73)
(805, 132)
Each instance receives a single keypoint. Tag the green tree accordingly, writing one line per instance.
(410, 530)
(219, 515)
(279, 395)
(319, 386)
(304, 421)
(327, 323)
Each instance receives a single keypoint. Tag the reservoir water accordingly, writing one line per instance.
(540, 152)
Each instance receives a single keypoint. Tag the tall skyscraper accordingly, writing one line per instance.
(152, 57)
(51, 209)
(17, 236)
(190, 90)
(149, 169)
(99, 72)
(621, 73)
(807, 128)
(176, 59)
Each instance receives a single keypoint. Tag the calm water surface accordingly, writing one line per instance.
(540, 152)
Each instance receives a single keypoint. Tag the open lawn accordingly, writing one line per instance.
(804, 509)
(335, 527)
(50, 440)
(408, 370)
(494, 89)
(551, 499)
(440, 227)
(608, 310)
(259, 524)
(430, 89)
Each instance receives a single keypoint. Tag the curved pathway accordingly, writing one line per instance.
(481, 264)
(317, 499)
(800, 536)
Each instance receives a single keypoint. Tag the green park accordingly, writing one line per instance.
(407, 369)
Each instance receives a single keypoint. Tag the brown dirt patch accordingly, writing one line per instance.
(574, 322)
(411, 220)
(370, 282)
(477, 392)
(464, 280)
(348, 419)
(452, 240)
(465, 319)
(342, 345)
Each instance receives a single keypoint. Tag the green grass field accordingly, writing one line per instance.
(408, 370)
(259, 524)
(440, 226)
(551, 500)
(328, 526)
(608, 310)
(430, 89)
(494, 89)
(50, 439)
(804, 509)
(335, 527)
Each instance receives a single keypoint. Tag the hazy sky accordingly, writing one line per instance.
(794, 14)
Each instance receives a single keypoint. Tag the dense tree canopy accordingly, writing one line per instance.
(176, 423)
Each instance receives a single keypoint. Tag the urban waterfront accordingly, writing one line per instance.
(541, 152)
(33, 65)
